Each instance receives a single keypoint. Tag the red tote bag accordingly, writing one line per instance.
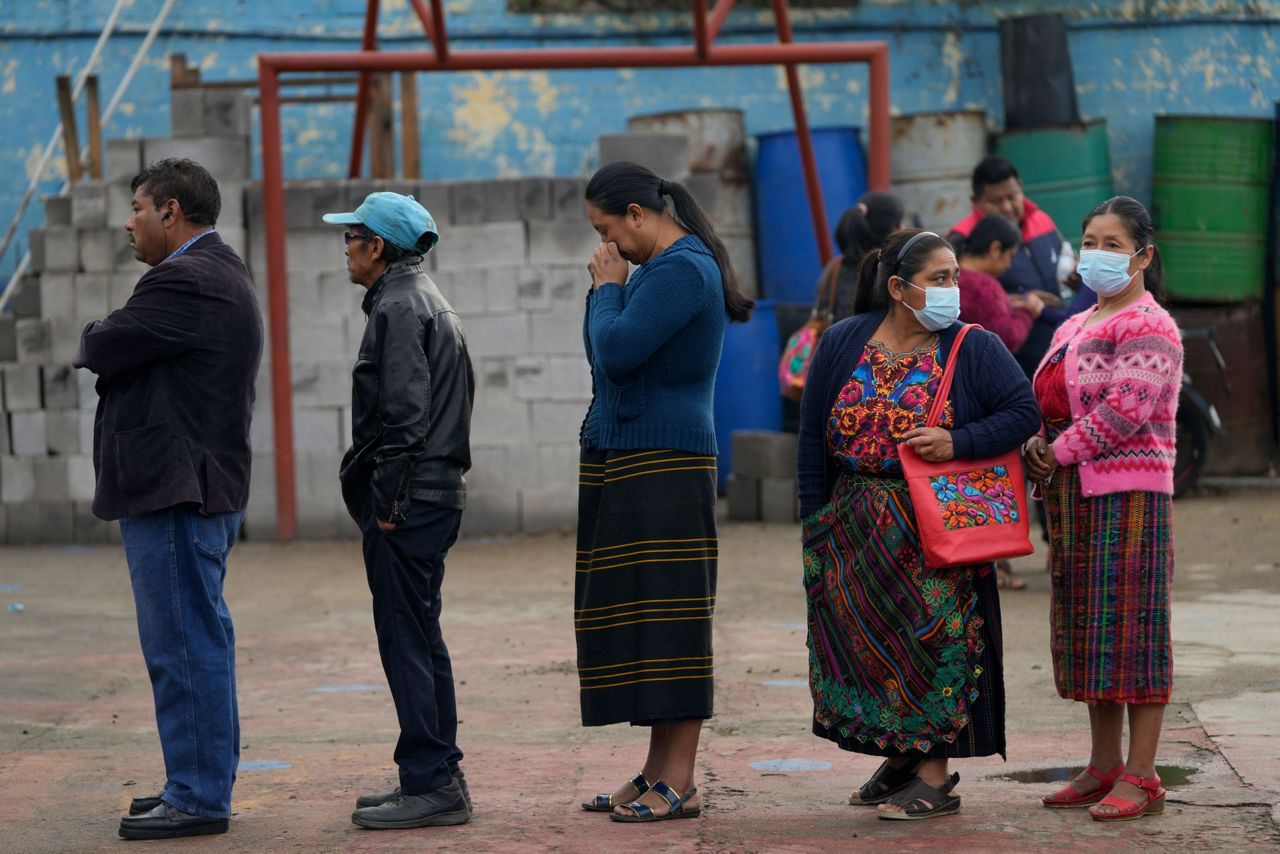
(967, 511)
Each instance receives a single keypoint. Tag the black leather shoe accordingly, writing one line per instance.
(439, 808)
(167, 822)
(138, 806)
(387, 797)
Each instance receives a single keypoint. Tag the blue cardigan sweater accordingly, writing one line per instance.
(654, 347)
(995, 409)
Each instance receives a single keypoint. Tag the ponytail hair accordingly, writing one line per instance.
(1137, 221)
(881, 264)
(619, 184)
(992, 228)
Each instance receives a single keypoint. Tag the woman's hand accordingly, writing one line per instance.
(932, 444)
(607, 265)
(1039, 459)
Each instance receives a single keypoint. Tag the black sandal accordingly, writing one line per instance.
(885, 783)
(604, 802)
(921, 801)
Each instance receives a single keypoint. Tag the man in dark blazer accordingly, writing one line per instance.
(176, 369)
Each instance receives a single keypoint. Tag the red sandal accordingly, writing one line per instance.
(1069, 798)
(1127, 809)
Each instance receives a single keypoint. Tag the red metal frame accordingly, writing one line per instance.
(703, 53)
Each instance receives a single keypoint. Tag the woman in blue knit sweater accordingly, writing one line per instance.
(646, 569)
(905, 659)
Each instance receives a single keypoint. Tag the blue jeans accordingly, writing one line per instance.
(177, 564)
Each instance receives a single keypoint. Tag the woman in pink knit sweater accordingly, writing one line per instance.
(1108, 392)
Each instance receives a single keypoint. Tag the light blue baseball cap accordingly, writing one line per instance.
(399, 220)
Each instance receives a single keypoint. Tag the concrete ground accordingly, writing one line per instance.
(77, 736)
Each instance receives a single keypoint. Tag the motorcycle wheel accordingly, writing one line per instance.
(1192, 450)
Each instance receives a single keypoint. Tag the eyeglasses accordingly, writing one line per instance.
(348, 236)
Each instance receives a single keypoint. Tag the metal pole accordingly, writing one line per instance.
(700, 27)
(368, 43)
(804, 139)
(878, 119)
(277, 301)
(718, 16)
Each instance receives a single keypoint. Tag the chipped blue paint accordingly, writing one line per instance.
(1176, 56)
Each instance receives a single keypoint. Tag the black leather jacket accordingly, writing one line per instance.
(411, 397)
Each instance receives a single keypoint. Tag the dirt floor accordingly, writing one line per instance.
(77, 732)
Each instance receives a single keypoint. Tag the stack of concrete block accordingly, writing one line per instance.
(762, 485)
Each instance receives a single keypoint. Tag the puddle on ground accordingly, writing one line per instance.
(1171, 776)
(776, 766)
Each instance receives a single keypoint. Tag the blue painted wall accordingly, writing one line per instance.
(1176, 56)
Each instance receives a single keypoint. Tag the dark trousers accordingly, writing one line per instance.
(405, 569)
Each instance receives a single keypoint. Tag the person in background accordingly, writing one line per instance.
(985, 256)
(1108, 391)
(176, 369)
(905, 660)
(645, 584)
(403, 482)
(1042, 262)
(862, 228)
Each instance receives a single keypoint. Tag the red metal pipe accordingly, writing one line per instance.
(579, 58)
(277, 301)
(369, 42)
(700, 27)
(808, 162)
(438, 29)
(420, 9)
(878, 119)
(718, 16)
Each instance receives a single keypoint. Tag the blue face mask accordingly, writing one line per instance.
(941, 307)
(1105, 273)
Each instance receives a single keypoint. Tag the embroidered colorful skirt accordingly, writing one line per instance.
(902, 659)
(645, 586)
(1111, 564)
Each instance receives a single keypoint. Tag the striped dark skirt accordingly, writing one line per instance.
(1111, 564)
(645, 586)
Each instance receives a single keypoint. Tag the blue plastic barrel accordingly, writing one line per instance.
(789, 261)
(747, 396)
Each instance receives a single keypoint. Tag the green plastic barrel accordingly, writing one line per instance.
(1065, 170)
(1212, 180)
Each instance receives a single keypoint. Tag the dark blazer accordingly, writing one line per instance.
(176, 369)
(995, 409)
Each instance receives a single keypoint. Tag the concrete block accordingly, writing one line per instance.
(64, 338)
(92, 296)
(57, 294)
(434, 196)
(17, 479)
(314, 338)
(57, 210)
(86, 388)
(55, 522)
(552, 507)
(501, 288)
(339, 296)
(500, 422)
(33, 340)
(84, 425)
(666, 154)
(8, 339)
(533, 292)
(490, 468)
(491, 511)
(556, 332)
(344, 426)
(498, 335)
(231, 213)
(495, 378)
(81, 479)
(27, 433)
(22, 388)
(238, 240)
(35, 245)
(260, 513)
(321, 513)
(103, 251)
(561, 242)
(26, 301)
(557, 422)
(186, 112)
(89, 205)
(321, 384)
(62, 431)
(227, 113)
(119, 288)
(568, 198)
(501, 200)
(51, 479)
(23, 524)
(558, 462)
(532, 381)
(465, 291)
(87, 529)
(535, 198)
(764, 454)
(316, 250)
(353, 334)
(306, 201)
(467, 202)
(568, 285)
(61, 387)
(123, 159)
(569, 378)
(778, 499)
(5, 448)
(304, 295)
(120, 201)
(61, 249)
(479, 247)
(316, 430)
(226, 158)
(744, 498)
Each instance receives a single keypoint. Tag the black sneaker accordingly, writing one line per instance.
(386, 797)
(439, 808)
(138, 806)
(168, 822)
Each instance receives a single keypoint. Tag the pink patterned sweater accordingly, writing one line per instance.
(1123, 377)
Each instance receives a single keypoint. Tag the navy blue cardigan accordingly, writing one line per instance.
(995, 409)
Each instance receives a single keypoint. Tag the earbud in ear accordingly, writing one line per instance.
(168, 215)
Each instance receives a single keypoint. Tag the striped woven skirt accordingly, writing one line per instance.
(645, 586)
(1111, 563)
(903, 659)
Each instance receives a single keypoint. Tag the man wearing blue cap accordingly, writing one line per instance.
(402, 481)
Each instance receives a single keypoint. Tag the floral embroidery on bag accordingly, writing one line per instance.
(972, 499)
